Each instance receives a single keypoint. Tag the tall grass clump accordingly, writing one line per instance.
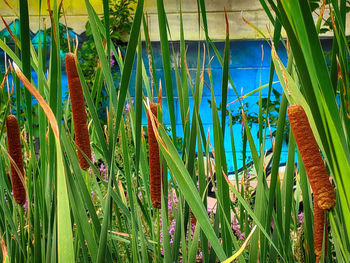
(148, 195)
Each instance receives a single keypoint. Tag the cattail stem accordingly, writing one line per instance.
(310, 154)
(81, 131)
(319, 223)
(154, 162)
(14, 146)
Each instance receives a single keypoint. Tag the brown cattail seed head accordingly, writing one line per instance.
(193, 219)
(319, 223)
(14, 146)
(154, 162)
(310, 154)
(78, 110)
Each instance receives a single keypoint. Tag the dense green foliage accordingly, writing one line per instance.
(104, 214)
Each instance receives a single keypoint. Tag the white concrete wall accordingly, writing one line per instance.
(249, 9)
(76, 16)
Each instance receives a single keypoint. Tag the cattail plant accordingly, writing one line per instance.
(14, 146)
(319, 222)
(310, 154)
(81, 131)
(154, 162)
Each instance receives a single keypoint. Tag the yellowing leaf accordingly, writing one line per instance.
(239, 252)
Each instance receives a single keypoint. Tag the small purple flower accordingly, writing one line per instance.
(170, 205)
(25, 206)
(301, 218)
(103, 172)
(193, 226)
(112, 60)
(175, 200)
(93, 158)
(128, 106)
(172, 227)
(102, 168)
(246, 182)
(161, 236)
(172, 201)
(237, 230)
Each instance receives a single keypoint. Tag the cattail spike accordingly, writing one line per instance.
(78, 110)
(14, 146)
(193, 219)
(310, 154)
(319, 223)
(154, 162)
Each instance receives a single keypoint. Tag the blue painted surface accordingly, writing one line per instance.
(248, 68)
